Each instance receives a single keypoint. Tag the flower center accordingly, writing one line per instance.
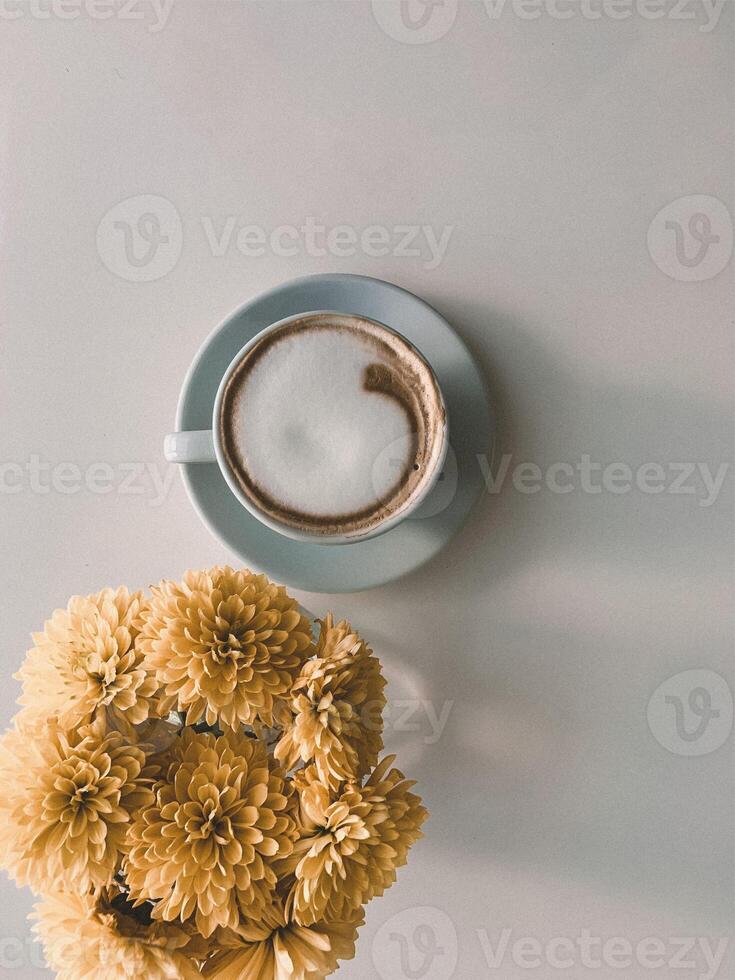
(344, 823)
(208, 822)
(128, 917)
(84, 789)
(100, 675)
(226, 647)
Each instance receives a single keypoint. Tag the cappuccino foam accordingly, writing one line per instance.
(332, 423)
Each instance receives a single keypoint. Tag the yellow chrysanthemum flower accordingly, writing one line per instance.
(277, 948)
(225, 645)
(350, 847)
(66, 805)
(337, 705)
(84, 667)
(104, 938)
(204, 847)
(193, 786)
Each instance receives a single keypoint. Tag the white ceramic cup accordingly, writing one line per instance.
(204, 446)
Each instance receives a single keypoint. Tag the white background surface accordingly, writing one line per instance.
(548, 146)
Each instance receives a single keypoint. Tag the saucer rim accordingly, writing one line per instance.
(311, 580)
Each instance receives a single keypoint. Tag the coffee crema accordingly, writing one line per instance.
(332, 424)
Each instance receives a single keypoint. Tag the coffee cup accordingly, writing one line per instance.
(328, 427)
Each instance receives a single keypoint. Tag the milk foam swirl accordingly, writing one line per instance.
(332, 424)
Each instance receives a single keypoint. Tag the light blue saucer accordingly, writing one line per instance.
(350, 567)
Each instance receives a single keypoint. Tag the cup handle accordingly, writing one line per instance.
(190, 447)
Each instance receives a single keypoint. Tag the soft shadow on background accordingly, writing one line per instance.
(546, 759)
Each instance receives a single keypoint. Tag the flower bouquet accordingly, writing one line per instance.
(193, 786)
